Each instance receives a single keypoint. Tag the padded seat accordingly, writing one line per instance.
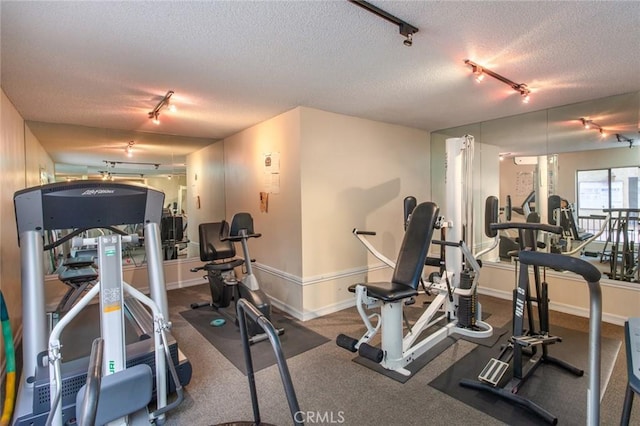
(387, 292)
(411, 259)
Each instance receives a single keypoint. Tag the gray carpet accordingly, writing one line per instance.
(556, 390)
(226, 339)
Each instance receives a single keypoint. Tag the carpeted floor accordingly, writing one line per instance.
(333, 388)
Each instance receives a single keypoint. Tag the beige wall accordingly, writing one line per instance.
(37, 162)
(170, 187)
(355, 173)
(205, 185)
(336, 173)
(16, 172)
(279, 248)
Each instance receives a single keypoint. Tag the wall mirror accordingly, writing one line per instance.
(531, 156)
(159, 161)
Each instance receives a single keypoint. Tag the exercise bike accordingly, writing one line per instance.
(218, 249)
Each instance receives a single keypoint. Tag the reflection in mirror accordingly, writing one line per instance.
(548, 153)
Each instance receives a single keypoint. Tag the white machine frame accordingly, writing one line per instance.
(111, 289)
(399, 348)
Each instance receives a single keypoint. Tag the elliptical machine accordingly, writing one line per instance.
(217, 248)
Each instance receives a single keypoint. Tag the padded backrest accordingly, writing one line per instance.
(410, 203)
(554, 204)
(568, 222)
(415, 245)
(171, 228)
(211, 248)
(491, 212)
(239, 222)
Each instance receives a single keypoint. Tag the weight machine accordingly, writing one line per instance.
(455, 292)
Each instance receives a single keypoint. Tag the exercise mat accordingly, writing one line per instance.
(556, 390)
(226, 339)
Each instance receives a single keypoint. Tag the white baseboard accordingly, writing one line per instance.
(559, 307)
(309, 315)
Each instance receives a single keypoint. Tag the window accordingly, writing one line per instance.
(616, 188)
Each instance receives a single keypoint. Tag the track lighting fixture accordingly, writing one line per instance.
(622, 138)
(165, 102)
(129, 149)
(590, 124)
(479, 72)
(112, 164)
(405, 29)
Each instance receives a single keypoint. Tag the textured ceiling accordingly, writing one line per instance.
(104, 65)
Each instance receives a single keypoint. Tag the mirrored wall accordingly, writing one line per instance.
(587, 154)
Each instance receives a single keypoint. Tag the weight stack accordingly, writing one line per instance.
(467, 305)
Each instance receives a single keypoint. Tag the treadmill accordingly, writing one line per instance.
(83, 205)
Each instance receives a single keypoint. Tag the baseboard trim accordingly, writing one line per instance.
(559, 307)
(317, 278)
(309, 315)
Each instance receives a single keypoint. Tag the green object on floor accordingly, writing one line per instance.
(218, 322)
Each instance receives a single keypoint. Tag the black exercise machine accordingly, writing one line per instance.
(527, 349)
(218, 249)
(246, 313)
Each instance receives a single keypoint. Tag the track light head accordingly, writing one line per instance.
(164, 103)
(409, 40)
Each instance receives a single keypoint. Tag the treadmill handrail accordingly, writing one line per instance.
(87, 414)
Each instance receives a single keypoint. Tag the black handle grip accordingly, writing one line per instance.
(358, 232)
(558, 261)
(446, 243)
(528, 225)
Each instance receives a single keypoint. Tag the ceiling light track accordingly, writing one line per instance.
(623, 138)
(165, 102)
(114, 163)
(479, 71)
(406, 29)
(590, 124)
